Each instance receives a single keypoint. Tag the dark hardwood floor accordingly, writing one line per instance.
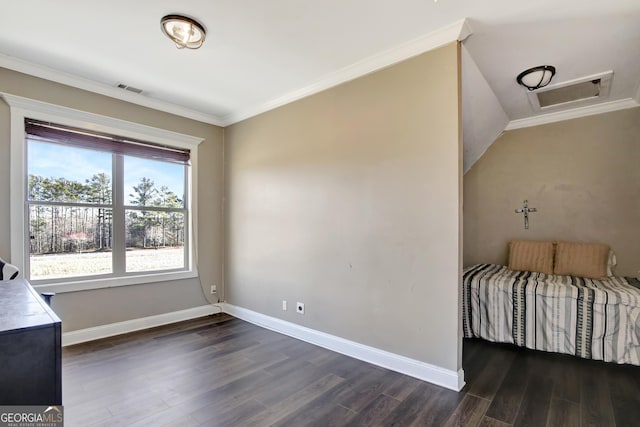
(222, 371)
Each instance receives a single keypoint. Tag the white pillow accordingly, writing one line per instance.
(611, 263)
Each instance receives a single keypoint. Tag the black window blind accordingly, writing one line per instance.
(88, 139)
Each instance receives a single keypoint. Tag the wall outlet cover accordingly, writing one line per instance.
(300, 307)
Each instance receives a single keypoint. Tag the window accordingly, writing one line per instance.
(101, 208)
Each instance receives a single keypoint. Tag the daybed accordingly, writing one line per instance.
(544, 301)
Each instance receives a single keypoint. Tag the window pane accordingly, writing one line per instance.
(69, 241)
(72, 176)
(52, 179)
(155, 240)
(153, 183)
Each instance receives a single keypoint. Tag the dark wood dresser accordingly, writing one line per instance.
(30, 349)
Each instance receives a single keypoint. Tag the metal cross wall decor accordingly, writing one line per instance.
(525, 210)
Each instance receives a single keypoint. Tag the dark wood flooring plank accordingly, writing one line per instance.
(411, 407)
(323, 357)
(293, 403)
(506, 402)
(438, 409)
(191, 363)
(78, 416)
(595, 400)
(175, 416)
(534, 409)
(232, 416)
(342, 366)
(492, 422)
(633, 372)
(402, 387)
(180, 389)
(469, 412)
(261, 354)
(563, 413)
(488, 380)
(476, 355)
(130, 410)
(289, 366)
(567, 382)
(321, 403)
(297, 349)
(470, 353)
(322, 412)
(288, 383)
(226, 398)
(112, 396)
(377, 410)
(363, 389)
(624, 390)
(225, 376)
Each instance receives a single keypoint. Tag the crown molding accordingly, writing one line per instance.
(108, 124)
(458, 31)
(72, 80)
(574, 113)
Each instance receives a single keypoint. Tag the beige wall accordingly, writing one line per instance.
(348, 201)
(582, 175)
(92, 308)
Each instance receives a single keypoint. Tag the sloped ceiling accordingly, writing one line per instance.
(483, 118)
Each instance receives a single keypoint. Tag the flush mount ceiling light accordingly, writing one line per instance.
(183, 31)
(536, 77)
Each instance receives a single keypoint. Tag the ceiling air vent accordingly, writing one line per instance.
(578, 92)
(129, 88)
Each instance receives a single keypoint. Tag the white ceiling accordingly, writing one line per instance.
(259, 54)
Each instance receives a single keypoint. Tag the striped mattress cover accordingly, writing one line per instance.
(594, 319)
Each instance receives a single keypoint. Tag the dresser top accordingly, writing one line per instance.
(21, 307)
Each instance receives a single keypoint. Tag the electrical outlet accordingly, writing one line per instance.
(214, 289)
(300, 307)
(284, 305)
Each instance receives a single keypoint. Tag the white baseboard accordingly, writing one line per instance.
(104, 331)
(434, 374)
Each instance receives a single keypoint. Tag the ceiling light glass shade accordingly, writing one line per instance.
(536, 77)
(183, 31)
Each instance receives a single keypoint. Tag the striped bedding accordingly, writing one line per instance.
(594, 319)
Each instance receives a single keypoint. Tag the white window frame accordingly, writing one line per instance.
(22, 108)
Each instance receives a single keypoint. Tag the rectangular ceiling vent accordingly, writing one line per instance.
(578, 92)
(129, 88)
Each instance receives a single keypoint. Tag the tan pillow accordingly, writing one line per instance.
(531, 255)
(581, 259)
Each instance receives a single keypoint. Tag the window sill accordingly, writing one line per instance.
(87, 284)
